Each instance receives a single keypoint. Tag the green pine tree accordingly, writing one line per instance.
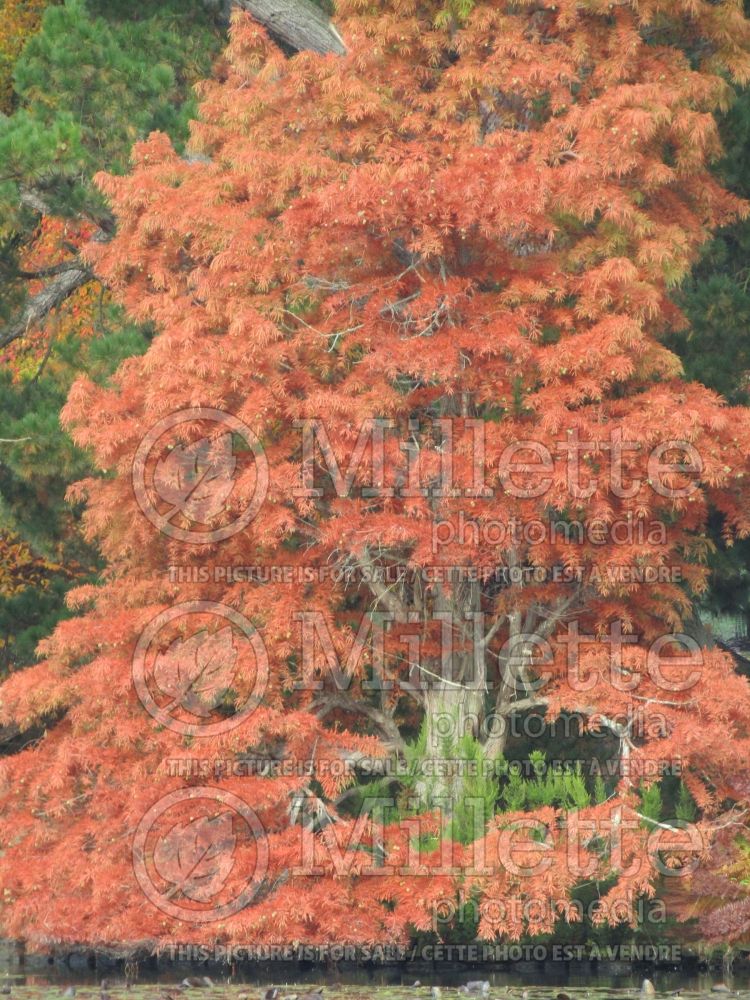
(96, 77)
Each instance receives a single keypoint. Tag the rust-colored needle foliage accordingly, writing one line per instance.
(465, 228)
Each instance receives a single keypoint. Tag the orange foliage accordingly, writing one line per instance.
(475, 221)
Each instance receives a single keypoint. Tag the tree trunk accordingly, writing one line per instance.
(297, 23)
(454, 700)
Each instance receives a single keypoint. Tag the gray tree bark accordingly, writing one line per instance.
(39, 306)
(297, 23)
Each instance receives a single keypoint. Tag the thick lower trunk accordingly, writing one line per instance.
(450, 715)
(456, 701)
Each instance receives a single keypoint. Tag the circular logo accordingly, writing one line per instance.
(196, 662)
(200, 854)
(187, 476)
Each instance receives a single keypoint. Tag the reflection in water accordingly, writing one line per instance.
(38, 980)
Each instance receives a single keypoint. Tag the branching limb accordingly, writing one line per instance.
(39, 306)
(383, 720)
(365, 762)
(384, 595)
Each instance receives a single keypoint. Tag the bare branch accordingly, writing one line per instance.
(384, 595)
(39, 306)
(385, 722)
(49, 272)
(33, 200)
(364, 762)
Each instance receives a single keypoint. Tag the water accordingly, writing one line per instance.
(40, 977)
